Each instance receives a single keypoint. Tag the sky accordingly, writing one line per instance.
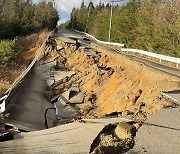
(65, 7)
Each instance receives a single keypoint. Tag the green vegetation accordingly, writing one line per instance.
(21, 17)
(151, 25)
(8, 51)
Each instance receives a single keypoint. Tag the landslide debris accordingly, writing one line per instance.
(115, 139)
(112, 82)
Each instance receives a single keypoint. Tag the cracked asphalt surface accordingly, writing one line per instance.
(28, 105)
(160, 134)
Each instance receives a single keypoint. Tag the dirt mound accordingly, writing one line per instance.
(114, 139)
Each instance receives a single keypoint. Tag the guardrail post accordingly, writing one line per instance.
(177, 64)
(160, 60)
(2, 107)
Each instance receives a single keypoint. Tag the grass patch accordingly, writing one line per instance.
(8, 51)
(3, 88)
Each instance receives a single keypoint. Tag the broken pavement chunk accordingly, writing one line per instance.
(64, 98)
(75, 87)
(65, 111)
(58, 75)
(90, 53)
(77, 98)
(50, 82)
(72, 97)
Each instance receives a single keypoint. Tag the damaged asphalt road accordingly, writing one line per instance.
(28, 105)
(75, 89)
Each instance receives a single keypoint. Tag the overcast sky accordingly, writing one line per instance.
(65, 6)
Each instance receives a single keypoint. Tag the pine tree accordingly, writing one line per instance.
(83, 4)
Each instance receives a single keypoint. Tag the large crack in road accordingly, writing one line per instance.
(91, 90)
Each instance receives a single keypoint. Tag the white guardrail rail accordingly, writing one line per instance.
(154, 55)
(8, 92)
(102, 42)
(150, 54)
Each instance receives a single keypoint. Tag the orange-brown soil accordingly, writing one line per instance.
(125, 86)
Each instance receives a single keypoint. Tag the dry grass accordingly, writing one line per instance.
(29, 46)
(3, 87)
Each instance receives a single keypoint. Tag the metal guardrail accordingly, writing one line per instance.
(150, 54)
(103, 42)
(154, 55)
(8, 92)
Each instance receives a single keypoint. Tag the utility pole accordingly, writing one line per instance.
(110, 20)
(89, 10)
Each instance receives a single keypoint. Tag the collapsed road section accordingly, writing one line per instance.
(28, 105)
(97, 99)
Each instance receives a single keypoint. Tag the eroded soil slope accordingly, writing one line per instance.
(114, 83)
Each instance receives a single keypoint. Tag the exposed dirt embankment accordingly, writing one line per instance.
(115, 139)
(28, 46)
(117, 83)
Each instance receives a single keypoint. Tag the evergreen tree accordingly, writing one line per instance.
(151, 25)
(82, 4)
(21, 17)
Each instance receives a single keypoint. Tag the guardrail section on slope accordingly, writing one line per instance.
(146, 53)
(8, 92)
(102, 42)
(154, 55)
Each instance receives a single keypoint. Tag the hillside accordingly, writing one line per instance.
(150, 25)
(22, 25)
(13, 69)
